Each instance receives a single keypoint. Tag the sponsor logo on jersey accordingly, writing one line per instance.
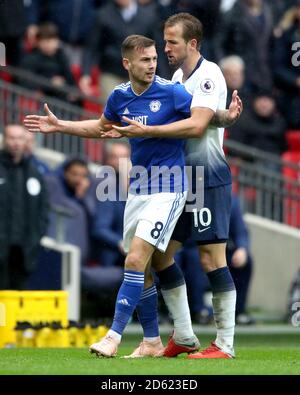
(207, 86)
(126, 111)
(141, 119)
(155, 105)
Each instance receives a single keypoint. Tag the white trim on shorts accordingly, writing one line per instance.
(144, 212)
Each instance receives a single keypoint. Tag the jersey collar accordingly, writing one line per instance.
(196, 67)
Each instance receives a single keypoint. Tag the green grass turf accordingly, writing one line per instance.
(256, 354)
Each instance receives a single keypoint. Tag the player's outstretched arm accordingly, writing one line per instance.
(226, 118)
(187, 128)
(49, 123)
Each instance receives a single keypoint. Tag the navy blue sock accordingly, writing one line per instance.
(221, 280)
(171, 277)
(128, 297)
(147, 312)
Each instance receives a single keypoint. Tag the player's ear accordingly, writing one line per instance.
(126, 63)
(193, 43)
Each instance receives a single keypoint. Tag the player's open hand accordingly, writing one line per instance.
(236, 107)
(43, 124)
(135, 128)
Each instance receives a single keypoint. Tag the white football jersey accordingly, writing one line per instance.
(208, 87)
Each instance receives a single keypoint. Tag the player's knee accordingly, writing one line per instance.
(212, 257)
(135, 262)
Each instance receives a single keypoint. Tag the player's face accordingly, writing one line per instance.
(176, 48)
(142, 65)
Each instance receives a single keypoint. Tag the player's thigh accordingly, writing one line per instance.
(212, 256)
(161, 261)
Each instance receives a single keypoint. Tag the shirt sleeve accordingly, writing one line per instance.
(110, 108)
(182, 99)
(207, 92)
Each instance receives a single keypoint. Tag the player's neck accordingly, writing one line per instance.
(189, 65)
(138, 89)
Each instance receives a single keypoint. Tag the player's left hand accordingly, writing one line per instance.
(236, 107)
(134, 129)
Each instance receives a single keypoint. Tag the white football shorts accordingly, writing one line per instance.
(152, 217)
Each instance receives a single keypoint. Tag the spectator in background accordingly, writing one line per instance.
(286, 65)
(260, 125)
(72, 187)
(240, 265)
(114, 22)
(49, 60)
(101, 281)
(42, 167)
(108, 220)
(23, 210)
(74, 19)
(233, 68)
(12, 27)
(246, 31)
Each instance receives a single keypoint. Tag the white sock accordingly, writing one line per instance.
(177, 303)
(114, 335)
(224, 314)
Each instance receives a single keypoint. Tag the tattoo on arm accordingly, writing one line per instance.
(221, 119)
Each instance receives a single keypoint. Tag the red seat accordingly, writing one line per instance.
(292, 206)
(293, 140)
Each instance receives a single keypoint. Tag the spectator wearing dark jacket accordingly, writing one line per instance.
(261, 126)
(23, 210)
(246, 31)
(73, 18)
(114, 22)
(12, 27)
(286, 60)
(48, 60)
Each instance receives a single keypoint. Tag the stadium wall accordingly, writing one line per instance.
(275, 248)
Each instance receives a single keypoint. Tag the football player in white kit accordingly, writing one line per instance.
(208, 225)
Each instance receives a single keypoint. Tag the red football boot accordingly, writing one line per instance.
(173, 349)
(211, 352)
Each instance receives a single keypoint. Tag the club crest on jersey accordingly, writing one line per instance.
(207, 86)
(155, 105)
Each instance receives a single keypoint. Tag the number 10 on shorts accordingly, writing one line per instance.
(202, 217)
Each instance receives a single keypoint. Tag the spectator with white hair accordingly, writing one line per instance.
(233, 68)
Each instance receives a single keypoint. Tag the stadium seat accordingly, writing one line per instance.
(293, 140)
(291, 206)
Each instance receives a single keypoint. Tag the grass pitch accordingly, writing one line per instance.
(255, 354)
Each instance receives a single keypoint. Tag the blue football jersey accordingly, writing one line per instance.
(157, 163)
